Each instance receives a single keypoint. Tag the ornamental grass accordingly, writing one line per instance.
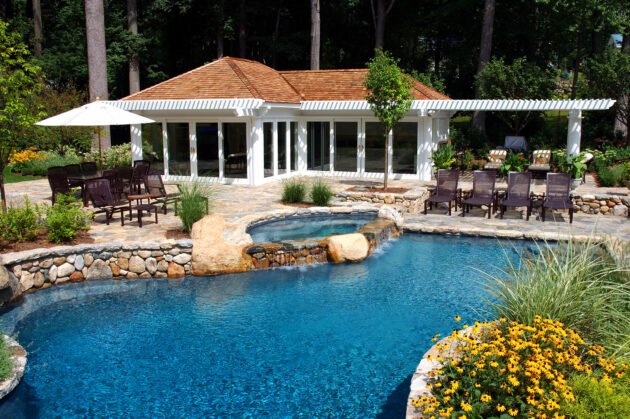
(507, 369)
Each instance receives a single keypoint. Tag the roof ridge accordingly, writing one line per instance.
(297, 92)
(322, 71)
(239, 73)
(171, 79)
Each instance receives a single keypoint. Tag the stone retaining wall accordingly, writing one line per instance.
(18, 364)
(408, 202)
(42, 268)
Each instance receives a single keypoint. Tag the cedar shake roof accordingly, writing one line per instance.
(237, 78)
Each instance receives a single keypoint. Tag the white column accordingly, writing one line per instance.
(287, 143)
(255, 153)
(136, 142)
(165, 147)
(331, 144)
(425, 147)
(274, 160)
(574, 133)
(361, 148)
(221, 153)
(390, 151)
(302, 155)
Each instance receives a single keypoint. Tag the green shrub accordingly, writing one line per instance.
(444, 156)
(514, 162)
(606, 177)
(578, 284)
(116, 156)
(52, 158)
(293, 191)
(598, 398)
(321, 193)
(192, 205)
(465, 159)
(65, 219)
(5, 361)
(20, 224)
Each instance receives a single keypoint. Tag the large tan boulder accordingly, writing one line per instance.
(347, 247)
(218, 247)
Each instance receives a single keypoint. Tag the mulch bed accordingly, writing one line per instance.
(82, 237)
(377, 189)
(176, 234)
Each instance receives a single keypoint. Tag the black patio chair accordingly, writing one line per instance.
(74, 171)
(139, 172)
(518, 192)
(112, 176)
(89, 169)
(139, 162)
(155, 187)
(558, 194)
(446, 190)
(59, 182)
(482, 192)
(100, 194)
(124, 177)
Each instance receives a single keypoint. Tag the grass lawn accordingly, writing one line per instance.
(14, 178)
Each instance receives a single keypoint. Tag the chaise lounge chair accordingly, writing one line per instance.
(482, 192)
(495, 159)
(558, 194)
(541, 162)
(446, 190)
(518, 192)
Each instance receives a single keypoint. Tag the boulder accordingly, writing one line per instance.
(65, 270)
(162, 266)
(79, 262)
(38, 279)
(182, 258)
(52, 273)
(136, 264)
(175, 271)
(390, 213)
(620, 210)
(347, 247)
(88, 259)
(76, 277)
(218, 247)
(26, 280)
(99, 270)
(151, 265)
(10, 287)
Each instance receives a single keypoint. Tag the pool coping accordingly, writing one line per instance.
(18, 360)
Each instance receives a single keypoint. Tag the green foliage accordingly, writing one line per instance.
(519, 80)
(514, 162)
(444, 156)
(430, 79)
(21, 223)
(321, 193)
(465, 159)
(192, 205)
(293, 191)
(5, 358)
(65, 218)
(115, 156)
(52, 158)
(578, 284)
(606, 176)
(598, 398)
(570, 164)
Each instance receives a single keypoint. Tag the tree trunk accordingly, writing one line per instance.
(622, 126)
(97, 57)
(221, 22)
(134, 64)
(37, 27)
(596, 37)
(242, 30)
(274, 41)
(379, 16)
(315, 34)
(3, 195)
(485, 49)
(578, 56)
(386, 172)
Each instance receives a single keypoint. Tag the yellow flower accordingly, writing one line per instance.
(486, 398)
(457, 318)
(500, 408)
(513, 412)
(466, 407)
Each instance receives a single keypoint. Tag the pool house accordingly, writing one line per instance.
(240, 121)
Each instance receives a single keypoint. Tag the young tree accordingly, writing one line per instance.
(315, 34)
(389, 95)
(519, 80)
(19, 86)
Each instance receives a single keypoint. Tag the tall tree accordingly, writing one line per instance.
(242, 29)
(379, 15)
(389, 96)
(37, 28)
(315, 34)
(485, 49)
(134, 62)
(96, 56)
(19, 87)
(220, 27)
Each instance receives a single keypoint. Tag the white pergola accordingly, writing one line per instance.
(432, 116)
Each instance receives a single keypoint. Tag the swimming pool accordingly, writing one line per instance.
(308, 226)
(322, 341)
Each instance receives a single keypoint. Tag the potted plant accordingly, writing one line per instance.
(514, 162)
(443, 157)
(572, 165)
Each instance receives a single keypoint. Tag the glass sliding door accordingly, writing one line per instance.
(318, 145)
(268, 148)
(294, 146)
(346, 146)
(405, 145)
(178, 148)
(282, 148)
(153, 146)
(207, 149)
(235, 149)
(374, 147)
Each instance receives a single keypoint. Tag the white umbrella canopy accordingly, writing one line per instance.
(95, 114)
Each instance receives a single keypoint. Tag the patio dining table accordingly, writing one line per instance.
(80, 180)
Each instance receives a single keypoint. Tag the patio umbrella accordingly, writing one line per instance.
(95, 114)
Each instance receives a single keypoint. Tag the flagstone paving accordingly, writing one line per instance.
(235, 201)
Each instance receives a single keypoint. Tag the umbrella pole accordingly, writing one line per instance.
(100, 153)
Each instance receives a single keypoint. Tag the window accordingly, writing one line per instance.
(282, 148)
(294, 146)
(346, 146)
(235, 149)
(152, 146)
(268, 148)
(208, 149)
(374, 147)
(405, 145)
(318, 145)
(178, 149)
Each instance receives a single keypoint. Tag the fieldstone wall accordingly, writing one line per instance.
(408, 202)
(42, 268)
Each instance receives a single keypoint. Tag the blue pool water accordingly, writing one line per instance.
(308, 226)
(323, 341)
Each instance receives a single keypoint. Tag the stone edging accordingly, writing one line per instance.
(18, 358)
(408, 202)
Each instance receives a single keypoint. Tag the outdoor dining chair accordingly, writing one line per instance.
(89, 169)
(59, 182)
(155, 187)
(139, 172)
(100, 194)
(482, 192)
(518, 192)
(446, 190)
(558, 195)
(124, 177)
